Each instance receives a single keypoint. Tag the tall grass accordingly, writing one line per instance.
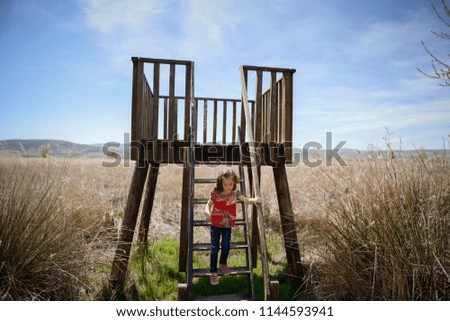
(387, 232)
(47, 241)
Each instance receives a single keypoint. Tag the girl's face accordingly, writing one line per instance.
(227, 184)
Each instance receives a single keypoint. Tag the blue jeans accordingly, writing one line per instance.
(216, 232)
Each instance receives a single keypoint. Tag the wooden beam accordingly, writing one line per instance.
(172, 108)
(258, 107)
(187, 101)
(136, 107)
(205, 121)
(149, 197)
(214, 138)
(155, 116)
(288, 224)
(288, 114)
(184, 213)
(120, 262)
(224, 121)
(256, 187)
(273, 107)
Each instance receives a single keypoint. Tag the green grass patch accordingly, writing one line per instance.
(156, 273)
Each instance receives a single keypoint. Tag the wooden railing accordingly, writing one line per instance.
(273, 112)
(158, 115)
(146, 100)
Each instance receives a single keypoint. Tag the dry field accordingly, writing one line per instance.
(376, 229)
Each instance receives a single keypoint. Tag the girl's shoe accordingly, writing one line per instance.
(225, 269)
(214, 279)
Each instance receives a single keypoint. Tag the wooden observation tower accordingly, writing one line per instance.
(178, 127)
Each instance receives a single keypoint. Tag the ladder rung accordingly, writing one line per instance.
(233, 270)
(201, 200)
(239, 221)
(207, 246)
(205, 200)
(207, 180)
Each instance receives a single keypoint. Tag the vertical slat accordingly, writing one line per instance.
(205, 121)
(224, 128)
(273, 106)
(166, 101)
(145, 121)
(195, 118)
(215, 123)
(281, 122)
(172, 112)
(233, 138)
(172, 103)
(175, 124)
(156, 69)
(288, 114)
(184, 213)
(258, 107)
(187, 101)
(243, 128)
(136, 106)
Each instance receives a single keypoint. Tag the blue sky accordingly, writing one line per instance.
(65, 67)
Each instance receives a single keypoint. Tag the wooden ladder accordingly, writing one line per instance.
(194, 222)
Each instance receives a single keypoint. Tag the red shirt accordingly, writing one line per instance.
(224, 210)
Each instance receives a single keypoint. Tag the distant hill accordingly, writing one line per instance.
(58, 148)
(61, 148)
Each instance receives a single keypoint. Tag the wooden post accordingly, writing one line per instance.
(256, 187)
(120, 262)
(288, 223)
(182, 292)
(274, 291)
(184, 214)
(136, 106)
(149, 198)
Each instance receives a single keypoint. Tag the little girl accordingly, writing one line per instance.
(221, 208)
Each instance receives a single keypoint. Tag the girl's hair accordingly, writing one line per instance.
(225, 174)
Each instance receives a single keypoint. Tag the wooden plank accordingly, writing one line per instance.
(149, 197)
(182, 263)
(172, 109)
(256, 187)
(195, 119)
(288, 114)
(162, 61)
(187, 101)
(166, 111)
(136, 107)
(214, 133)
(205, 121)
(243, 116)
(233, 133)
(120, 263)
(280, 121)
(155, 116)
(273, 107)
(288, 224)
(172, 104)
(146, 121)
(224, 128)
(258, 107)
(267, 69)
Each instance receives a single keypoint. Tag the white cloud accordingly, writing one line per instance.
(108, 16)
